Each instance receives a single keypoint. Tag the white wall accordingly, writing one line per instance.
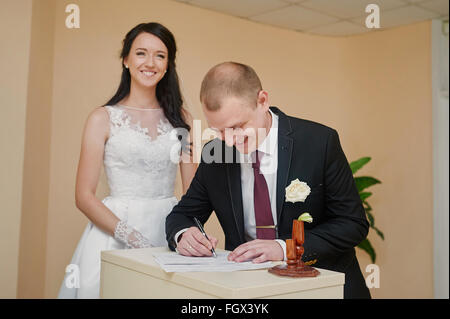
(440, 158)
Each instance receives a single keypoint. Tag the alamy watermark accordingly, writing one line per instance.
(373, 279)
(373, 19)
(73, 19)
(73, 276)
(243, 139)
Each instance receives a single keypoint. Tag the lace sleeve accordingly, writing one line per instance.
(130, 236)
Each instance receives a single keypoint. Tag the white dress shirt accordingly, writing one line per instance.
(268, 167)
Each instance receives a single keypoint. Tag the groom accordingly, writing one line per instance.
(243, 175)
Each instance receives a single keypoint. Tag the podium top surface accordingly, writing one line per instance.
(237, 284)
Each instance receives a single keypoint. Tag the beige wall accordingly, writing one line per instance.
(14, 54)
(389, 108)
(374, 89)
(33, 232)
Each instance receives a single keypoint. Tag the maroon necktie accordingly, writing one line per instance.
(265, 228)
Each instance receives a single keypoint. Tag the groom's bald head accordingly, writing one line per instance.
(229, 79)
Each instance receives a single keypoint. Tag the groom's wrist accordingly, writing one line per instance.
(177, 237)
(282, 243)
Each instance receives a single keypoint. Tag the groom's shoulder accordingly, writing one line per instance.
(309, 126)
(305, 131)
(305, 126)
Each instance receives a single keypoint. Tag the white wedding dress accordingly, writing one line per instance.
(140, 158)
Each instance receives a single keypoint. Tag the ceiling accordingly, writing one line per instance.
(328, 17)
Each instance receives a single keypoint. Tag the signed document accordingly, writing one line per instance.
(174, 262)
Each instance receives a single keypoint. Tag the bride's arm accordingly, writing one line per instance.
(95, 134)
(187, 165)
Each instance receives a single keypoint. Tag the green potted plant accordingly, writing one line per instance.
(362, 183)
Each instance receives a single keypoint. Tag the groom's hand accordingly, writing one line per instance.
(258, 250)
(193, 243)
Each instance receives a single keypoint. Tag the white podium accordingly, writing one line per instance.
(135, 274)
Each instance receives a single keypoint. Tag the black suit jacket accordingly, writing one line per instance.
(310, 152)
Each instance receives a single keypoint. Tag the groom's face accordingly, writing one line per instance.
(241, 122)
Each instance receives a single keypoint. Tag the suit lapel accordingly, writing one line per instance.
(285, 144)
(235, 191)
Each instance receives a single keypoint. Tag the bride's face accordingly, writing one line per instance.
(147, 60)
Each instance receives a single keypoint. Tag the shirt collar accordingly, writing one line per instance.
(270, 142)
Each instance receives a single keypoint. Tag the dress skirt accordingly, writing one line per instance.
(148, 216)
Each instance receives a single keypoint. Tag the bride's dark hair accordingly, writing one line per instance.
(168, 89)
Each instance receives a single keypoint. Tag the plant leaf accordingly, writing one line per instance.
(364, 195)
(370, 218)
(366, 206)
(362, 182)
(367, 247)
(372, 225)
(356, 165)
(379, 232)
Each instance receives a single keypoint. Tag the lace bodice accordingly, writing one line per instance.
(141, 154)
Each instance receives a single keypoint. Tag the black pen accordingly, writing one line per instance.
(199, 225)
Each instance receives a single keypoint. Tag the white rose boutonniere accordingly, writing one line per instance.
(297, 191)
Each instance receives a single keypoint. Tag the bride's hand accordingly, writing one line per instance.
(193, 243)
(130, 236)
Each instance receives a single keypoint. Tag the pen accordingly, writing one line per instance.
(199, 225)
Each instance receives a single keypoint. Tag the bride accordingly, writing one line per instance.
(133, 135)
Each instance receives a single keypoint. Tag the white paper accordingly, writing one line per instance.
(174, 262)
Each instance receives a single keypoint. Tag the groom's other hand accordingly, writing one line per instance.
(258, 250)
(194, 243)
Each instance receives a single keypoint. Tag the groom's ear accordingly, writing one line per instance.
(263, 99)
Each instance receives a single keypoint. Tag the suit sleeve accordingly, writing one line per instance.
(346, 225)
(195, 203)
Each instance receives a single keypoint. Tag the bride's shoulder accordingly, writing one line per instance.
(99, 115)
(98, 121)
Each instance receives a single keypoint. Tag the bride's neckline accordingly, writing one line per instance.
(139, 108)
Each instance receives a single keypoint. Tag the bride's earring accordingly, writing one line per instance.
(126, 66)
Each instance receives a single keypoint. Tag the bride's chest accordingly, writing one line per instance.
(131, 146)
